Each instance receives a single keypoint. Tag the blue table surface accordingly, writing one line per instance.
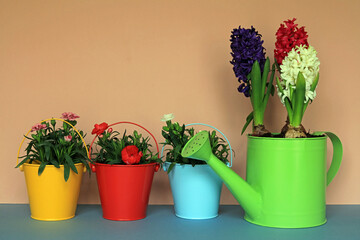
(161, 223)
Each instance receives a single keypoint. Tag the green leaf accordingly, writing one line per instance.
(270, 88)
(277, 65)
(287, 100)
(265, 75)
(315, 83)
(55, 163)
(279, 85)
(41, 167)
(256, 85)
(299, 100)
(53, 123)
(312, 88)
(249, 118)
(22, 162)
(66, 172)
(71, 163)
(172, 165)
(47, 152)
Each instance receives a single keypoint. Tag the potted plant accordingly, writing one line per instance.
(124, 167)
(252, 70)
(195, 187)
(53, 164)
(286, 173)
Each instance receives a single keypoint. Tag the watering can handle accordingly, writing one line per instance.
(58, 119)
(337, 156)
(207, 125)
(157, 145)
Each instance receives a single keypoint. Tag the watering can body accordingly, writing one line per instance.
(286, 179)
(290, 176)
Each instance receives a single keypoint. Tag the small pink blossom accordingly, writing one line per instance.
(38, 127)
(69, 116)
(68, 138)
(101, 135)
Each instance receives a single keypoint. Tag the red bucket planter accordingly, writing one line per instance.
(125, 189)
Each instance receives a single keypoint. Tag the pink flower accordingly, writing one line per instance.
(69, 116)
(38, 127)
(131, 155)
(110, 130)
(68, 138)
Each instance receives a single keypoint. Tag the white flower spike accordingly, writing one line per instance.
(303, 59)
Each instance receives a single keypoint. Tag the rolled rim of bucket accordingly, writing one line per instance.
(123, 165)
(316, 136)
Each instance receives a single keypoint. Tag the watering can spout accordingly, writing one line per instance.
(199, 148)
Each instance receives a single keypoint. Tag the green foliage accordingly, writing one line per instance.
(111, 147)
(49, 147)
(296, 106)
(177, 136)
(261, 89)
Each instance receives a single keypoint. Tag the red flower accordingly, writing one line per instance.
(131, 155)
(99, 129)
(287, 38)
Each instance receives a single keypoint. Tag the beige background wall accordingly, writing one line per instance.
(136, 60)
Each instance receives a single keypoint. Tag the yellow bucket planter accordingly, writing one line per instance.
(51, 198)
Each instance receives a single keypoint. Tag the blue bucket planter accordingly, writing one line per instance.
(196, 190)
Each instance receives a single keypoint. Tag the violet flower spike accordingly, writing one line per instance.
(246, 46)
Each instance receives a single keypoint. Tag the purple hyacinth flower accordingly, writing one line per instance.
(246, 46)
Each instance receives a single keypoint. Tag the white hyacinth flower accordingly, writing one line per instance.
(300, 59)
(167, 117)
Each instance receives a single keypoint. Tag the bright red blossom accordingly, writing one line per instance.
(287, 37)
(131, 155)
(99, 129)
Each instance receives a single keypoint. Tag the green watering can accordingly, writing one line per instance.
(286, 178)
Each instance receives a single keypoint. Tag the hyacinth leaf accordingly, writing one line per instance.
(277, 65)
(279, 85)
(287, 101)
(315, 83)
(299, 100)
(289, 109)
(265, 75)
(249, 118)
(256, 93)
(312, 88)
(270, 87)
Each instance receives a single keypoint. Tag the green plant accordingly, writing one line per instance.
(51, 146)
(113, 149)
(177, 136)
